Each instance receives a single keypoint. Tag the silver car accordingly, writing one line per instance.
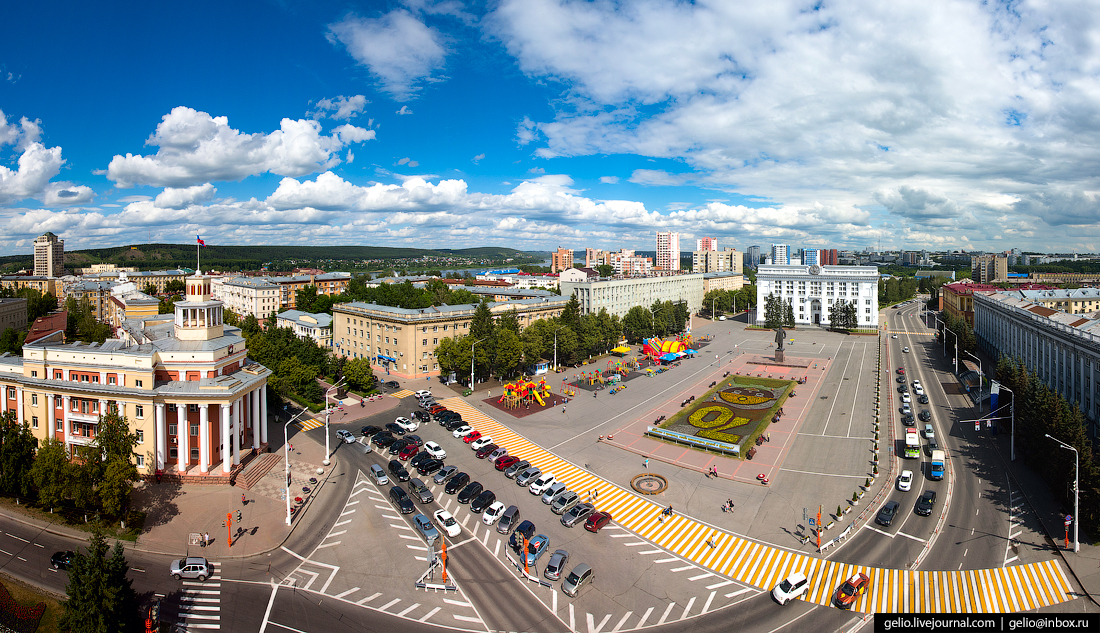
(556, 565)
(578, 514)
(191, 567)
(444, 475)
(576, 579)
(526, 477)
(516, 468)
(564, 502)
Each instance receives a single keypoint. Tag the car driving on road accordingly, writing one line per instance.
(887, 513)
(847, 594)
(447, 522)
(905, 481)
(791, 588)
(925, 503)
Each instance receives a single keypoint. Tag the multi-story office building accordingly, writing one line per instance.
(1062, 349)
(594, 257)
(668, 250)
(183, 381)
(561, 259)
(49, 255)
(829, 257)
(990, 268)
(403, 341)
(1074, 301)
(326, 284)
(618, 296)
(316, 326)
(723, 281)
(811, 291)
(752, 257)
(249, 295)
(811, 257)
(780, 255)
(13, 313)
(706, 244)
(729, 260)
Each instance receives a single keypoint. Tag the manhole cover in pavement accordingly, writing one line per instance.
(649, 484)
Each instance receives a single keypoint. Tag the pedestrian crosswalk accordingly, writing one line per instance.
(1008, 589)
(402, 393)
(200, 603)
(310, 423)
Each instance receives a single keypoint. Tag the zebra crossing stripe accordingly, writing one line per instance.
(1018, 588)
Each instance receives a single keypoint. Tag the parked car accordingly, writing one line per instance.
(463, 431)
(62, 560)
(378, 475)
(446, 521)
(346, 436)
(454, 423)
(528, 475)
(508, 520)
(429, 467)
(397, 447)
(887, 513)
(420, 416)
(564, 502)
(370, 431)
(485, 450)
(526, 529)
(471, 437)
(480, 443)
(596, 520)
(516, 468)
(581, 575)
(419, 459)
(577, 514)
(497, 453)
(926, 502)
(426, 529)
(483, 501)
(401, 499)
(406, 424)
(791, 587)
(536, 547)
(542, 484)
(555, 565)
(408, 451)
(383, 439)
(852, 589)
(420, 491)
(445, 474)
(395, 429)
(458, 482)
(493, 513)
(414, 439)
(503, 463)
(192, 567)
(905, 481)
(435, 450)
(552, 492)
(470, 492)
(423, 393)
(398, 471)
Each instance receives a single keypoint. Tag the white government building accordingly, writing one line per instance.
(811, 290)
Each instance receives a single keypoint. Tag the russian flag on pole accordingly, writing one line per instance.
(201, 243)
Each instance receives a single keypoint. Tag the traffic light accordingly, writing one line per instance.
(238, 516)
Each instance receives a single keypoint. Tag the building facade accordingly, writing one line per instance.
(1074, 301)
(752, 257)
(159, 279)
(561, 259)
(184, 383)
(618, 296)
(403, 341)
(316, 326)
(706, 244)
(811, 257)
(811, 290)
(13, 314)
(249, 295)
(1062, 349)
(780, 255)
(986, 269)
(49, 255)
(34, 282)
(729, 260)
(326, 284)
(722, 281)
(668, 250)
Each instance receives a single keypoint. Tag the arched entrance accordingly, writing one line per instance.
(815, 311)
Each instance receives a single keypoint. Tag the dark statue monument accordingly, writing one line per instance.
(780, 336)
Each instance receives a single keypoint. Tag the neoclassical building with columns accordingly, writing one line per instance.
(183, 381)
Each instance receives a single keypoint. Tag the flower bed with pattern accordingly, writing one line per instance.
(731, 412)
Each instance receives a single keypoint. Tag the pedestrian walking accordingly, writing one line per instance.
(645, 464)
(205, 538)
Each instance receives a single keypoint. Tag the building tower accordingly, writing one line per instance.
(752, 257)
(811, 257)
(49, 255)
(781, 255)
(199, 316)
(561, 259)
(668, 250)
(706, 244)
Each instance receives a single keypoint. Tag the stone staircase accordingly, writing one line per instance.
(257, 470)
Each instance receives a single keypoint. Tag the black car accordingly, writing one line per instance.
(398, 471)
(369, 431)
(398, 446)
(393, 384)
(453, 424)
(925, 503)
(901, 389)
(525, 529)
(62, 560)
(429, 467)
(472, 490)
(395, 429)
(923, 399)
(456, 483)
(925, 415)
(415, 439)
(908, 420)
(383, 439)
(419, 458)
(422, 416)
(401, 499)
(484, 500)
(887, 513)
(447, 415)
(900, 379)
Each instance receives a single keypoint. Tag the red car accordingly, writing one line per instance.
(596, 521)
(851, 590)
(437, 409)
(506, 461)
(471, 437)
(484, 451)
(408, 451)
(901, 370)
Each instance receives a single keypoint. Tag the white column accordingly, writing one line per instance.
(184, 434)
(19, 405)
(254, 413)
(64, 416)
(51, 415)
(237, 426)
(226, 450)
(263, 414)
(102, 377)
(3, 399)
(102, 407)
(204, 438)
(162, 435)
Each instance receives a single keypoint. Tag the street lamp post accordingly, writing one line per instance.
(328, 410)
(1076, 492)
(472, 363)
(286, 459)
(981, 379)
(556, 347)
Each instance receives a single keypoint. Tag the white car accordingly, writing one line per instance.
(492, 513)
(423, 393)
(906, 409)
(893, 336)
(905, 482)
(462, 431)
(480, 442)
(407, 424)
(919, 390)
(446, 521)
(906, 398)
(542, 483)
(346, 436)
(905, 349)
(791, 588)
(435, 450)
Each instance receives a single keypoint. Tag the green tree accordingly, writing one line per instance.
(50, 473)
(773, 312)
(481, 325)
(638, 324)
(16, 455)
(359, 374)
(305, 299)
(11, 341)
(168, 305)
(150, 289)
(605, 270)
(101, 597)
(175, 286)
(509, 353)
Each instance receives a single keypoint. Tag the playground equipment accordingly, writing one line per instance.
(567, 390)
(667, 350)
(622, 367)
(524, 392)
(592, 377)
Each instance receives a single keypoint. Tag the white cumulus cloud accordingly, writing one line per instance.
(173, 198)
(397, 48)
(340, 108)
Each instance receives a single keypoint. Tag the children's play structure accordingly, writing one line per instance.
(524, 392)
(668, 350)
(622, 367)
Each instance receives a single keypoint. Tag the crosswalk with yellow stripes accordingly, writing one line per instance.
(310, 423)
(402, 393)
(1008, 589)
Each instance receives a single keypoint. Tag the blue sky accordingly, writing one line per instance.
(539, 123)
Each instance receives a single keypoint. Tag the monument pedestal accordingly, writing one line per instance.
(779, 356)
